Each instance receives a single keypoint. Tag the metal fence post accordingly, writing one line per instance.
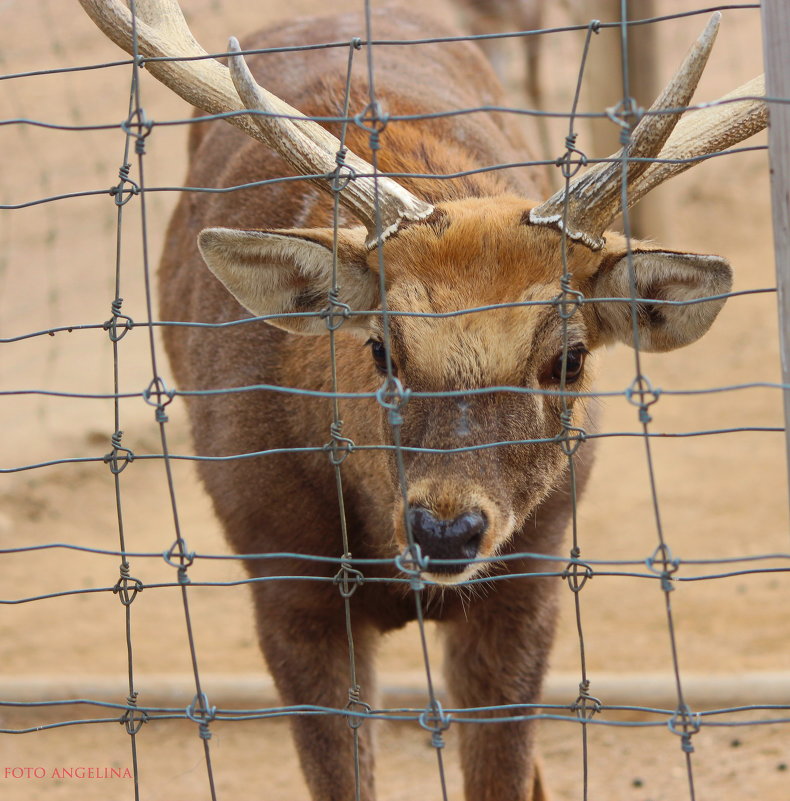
(776, 44)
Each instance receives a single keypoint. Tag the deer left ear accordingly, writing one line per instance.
(285, 272)
(685, 279)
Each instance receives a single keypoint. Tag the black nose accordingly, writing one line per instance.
(457, 539)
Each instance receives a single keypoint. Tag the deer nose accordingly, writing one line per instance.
(457, 539)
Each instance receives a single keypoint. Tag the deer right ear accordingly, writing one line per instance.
(281, 272)
(695, 286)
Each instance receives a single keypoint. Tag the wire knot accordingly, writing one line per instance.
(664, 564)
(339, 447)
(133, 718)
(640, 393)
(119, 457)
(626, 114)
(685, 724)
(336, 312)
(355, 702)
(435, 720)
(569, 300)
(158, 395)
(201, 713)
(586, 706)
(572, 436)
(343, 173)
(348, 578)
(177, 556)
(572, 160)
(577, 573)
(127, 587)
(374, 120)
(138, 126)
(412, 563)
(118, 191)
(111, 325)
(393, 397)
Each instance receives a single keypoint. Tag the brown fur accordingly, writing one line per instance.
(475, 250)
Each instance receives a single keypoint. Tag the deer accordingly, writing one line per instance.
(436, 286)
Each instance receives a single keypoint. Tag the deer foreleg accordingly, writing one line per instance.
(306, 648)
(497, 659)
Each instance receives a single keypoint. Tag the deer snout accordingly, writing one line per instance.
(458, 539)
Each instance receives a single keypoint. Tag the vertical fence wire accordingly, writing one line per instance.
(157, 395)
(118, 326)
(393, 398)
(349, 578)
(576, 573)
(683, 723)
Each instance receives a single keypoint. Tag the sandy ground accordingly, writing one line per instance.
(720, 497)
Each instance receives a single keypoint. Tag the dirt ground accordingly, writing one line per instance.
(720, 497)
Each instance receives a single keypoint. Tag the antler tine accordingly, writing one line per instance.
(710, 130)
(162, 31)
(311, 149)
(594, 197)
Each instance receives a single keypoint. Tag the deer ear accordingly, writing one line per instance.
(277, 272)
(661, 276)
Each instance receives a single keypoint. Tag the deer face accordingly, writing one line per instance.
(465, 505)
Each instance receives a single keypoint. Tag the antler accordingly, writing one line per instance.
(161, 31)
(594, 199)
(710, 130)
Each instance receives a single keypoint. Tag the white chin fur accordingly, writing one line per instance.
(449, 579)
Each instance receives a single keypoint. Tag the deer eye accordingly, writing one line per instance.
(379, 353)
(574, 364)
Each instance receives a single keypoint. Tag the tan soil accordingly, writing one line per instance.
(720, 496)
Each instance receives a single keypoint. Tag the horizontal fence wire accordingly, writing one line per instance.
(399, 42)
(346, 571)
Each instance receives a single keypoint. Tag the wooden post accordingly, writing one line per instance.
(776, 44)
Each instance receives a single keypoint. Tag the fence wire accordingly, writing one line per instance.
(661, 568)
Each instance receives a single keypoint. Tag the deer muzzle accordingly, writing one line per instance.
(457, 540)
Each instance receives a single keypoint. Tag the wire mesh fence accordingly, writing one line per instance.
(678, 560)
